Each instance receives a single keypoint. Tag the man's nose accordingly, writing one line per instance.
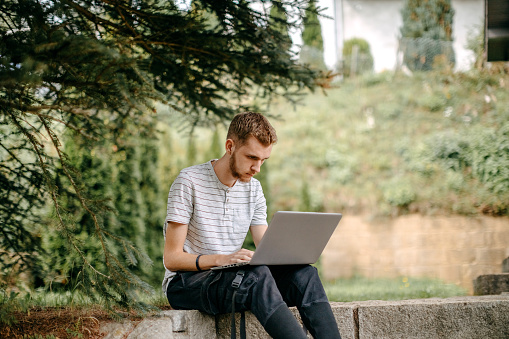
(256, 166)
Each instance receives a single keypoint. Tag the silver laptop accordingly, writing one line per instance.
(293, 238)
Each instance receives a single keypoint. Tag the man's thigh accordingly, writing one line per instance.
(208, 291)
(299, 285)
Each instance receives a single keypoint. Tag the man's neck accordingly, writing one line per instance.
(223, 172)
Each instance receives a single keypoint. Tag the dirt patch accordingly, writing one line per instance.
(62, 323)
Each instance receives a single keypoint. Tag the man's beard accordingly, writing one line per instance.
(234, 171)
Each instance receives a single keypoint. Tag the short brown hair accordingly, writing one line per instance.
(253, 124)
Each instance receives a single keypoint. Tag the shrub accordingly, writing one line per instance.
(475, 155)
(426, 34)
(399, 192)
(489, 158)
(358, 62)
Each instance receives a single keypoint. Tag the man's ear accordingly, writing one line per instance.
(230, 146)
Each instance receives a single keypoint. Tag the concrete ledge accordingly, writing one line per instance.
(491, 284)
(469, 317)
(462, 317)
(166, 325)
(343, 312)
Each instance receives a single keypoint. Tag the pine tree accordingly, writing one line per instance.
(128, 196)
(279, 23)
(216, 147)
(153, 204)
(90, 164)
(96, 69)
(426, 34)
(312, 49)
(312, 33)
(191, 151)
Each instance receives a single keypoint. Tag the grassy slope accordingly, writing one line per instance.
(355, 146)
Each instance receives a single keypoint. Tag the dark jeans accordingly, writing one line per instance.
(263, 290)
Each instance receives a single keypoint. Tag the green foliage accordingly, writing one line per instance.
(7, 308)
(357, 58)
(192, 156)
(488, 157)
(312, 33)
(216, 145)
(430, 19)
(22, 195)
(305, 200)
(98, 70)
(475, 43)
(153, 198)
(399, 192)
(124, 176)
(312, 50)
(9, 303)
(279, 23)
(434, 102)
(426, 33)
(478, 153)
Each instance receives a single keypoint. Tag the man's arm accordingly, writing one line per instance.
(257, 233)
(175, 259)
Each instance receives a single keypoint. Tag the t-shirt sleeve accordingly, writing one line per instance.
(260, 212)
(180, 201)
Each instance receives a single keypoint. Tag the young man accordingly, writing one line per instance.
(211, 207)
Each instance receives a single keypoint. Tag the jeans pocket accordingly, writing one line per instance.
(175, 291)
(194, 280)
(212, 294)
(185, 291)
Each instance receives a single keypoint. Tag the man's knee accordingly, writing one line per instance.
(307, 281)
(306, 274)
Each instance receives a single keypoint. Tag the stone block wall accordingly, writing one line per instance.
(455, 249)
(462, 318)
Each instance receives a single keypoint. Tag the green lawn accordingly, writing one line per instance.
(344, 290)
(401, 288)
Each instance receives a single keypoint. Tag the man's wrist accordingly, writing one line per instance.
(198, 263)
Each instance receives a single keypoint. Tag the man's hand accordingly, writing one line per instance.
(175, 259)
(239, 256)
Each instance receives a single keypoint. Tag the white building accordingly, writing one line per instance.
(379, 23)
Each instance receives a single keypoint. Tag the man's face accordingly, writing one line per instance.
(247, 159)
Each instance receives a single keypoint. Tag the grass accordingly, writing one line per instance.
(343, 290)
(401, 288)
(62, 315)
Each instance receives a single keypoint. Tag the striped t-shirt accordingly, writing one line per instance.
(218, 216)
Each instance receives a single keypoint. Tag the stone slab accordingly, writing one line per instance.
(491, 284)
(460, 317)
(165, 325)
(343, 312)
(451, 318)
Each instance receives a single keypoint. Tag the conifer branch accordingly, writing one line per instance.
(77, 190)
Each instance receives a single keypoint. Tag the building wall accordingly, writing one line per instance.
(379, 21)
(454, 249)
